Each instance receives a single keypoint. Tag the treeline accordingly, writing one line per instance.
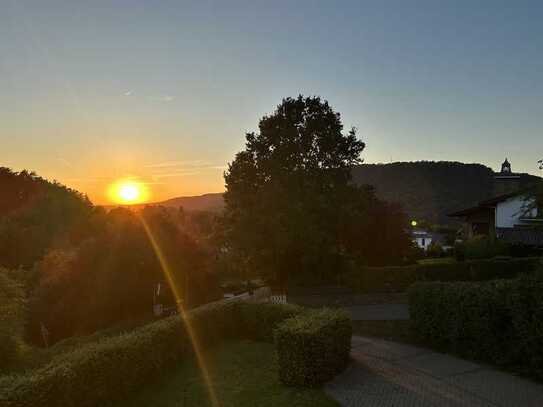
(83, 268)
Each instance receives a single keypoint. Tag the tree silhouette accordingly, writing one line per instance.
(289, 192)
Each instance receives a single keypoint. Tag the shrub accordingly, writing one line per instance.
(498, 321)
(313, 347)
(434, 250)
(484, 247)
(110, 369)
(260, 320)
(11, 320)
(398, 279)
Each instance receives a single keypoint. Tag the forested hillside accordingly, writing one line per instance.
(429, 190)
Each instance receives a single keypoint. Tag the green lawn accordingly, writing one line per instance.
(243, 374)
(440, 260)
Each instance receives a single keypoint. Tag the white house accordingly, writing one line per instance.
(422, 238)
(510, 216)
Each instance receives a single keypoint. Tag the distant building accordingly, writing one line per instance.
(423, 239)
(509, 215)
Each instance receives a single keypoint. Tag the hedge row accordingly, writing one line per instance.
(101, 373)
(498, 321)
(313, 347)
(398, 279)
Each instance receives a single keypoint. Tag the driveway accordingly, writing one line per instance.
(389, 374)
(378, 312)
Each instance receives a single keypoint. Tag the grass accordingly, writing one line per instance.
(243, 374)
(439, 260)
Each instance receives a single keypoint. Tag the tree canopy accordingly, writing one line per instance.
(36, 214)
(289, 197)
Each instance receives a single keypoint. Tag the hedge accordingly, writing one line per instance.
(399, 278)
(496, 321)
(313, 347)
(109, 370)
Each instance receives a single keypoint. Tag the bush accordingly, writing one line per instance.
(313, 347)
(398, 279)
(260, 320)
(103, 372)
(434, 250)
(109, 370)
(484, 247)
(498, 321)
(11, 320)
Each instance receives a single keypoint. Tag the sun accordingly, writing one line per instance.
(128, 192)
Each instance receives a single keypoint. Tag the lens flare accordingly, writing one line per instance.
(184, 317)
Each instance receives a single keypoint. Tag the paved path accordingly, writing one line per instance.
(378, 312)
(389, 374)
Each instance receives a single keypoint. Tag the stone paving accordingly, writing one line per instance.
(378, 312)
(389, 374)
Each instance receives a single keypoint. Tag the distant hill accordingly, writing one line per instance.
(425, 189)
(213, 202)
(429, 190)
(208, 202)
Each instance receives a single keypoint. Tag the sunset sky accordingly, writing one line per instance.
(163, 91)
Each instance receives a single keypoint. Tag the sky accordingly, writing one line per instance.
(164, 91)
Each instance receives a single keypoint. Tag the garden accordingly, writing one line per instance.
(113, 369)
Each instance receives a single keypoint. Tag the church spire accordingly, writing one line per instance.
(506, 167)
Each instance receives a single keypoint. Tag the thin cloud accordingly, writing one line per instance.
(171, 164)
(176, 174)
(163, 98)
(65, 162)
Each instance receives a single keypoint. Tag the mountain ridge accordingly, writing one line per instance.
(427, 190)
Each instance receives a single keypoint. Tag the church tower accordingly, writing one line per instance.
(506, 167)
(506, 181)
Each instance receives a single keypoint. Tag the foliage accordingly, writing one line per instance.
(434, 250)
(398, 279)
(482, 247)
(497, 321)
(36, 214)
(259, 321)
(11, 319)
(114, 368)
(243, 373)
(290, 206)
(111, 276)
(313, 347)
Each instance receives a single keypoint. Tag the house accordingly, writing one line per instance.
(509, 216)
(423, 239)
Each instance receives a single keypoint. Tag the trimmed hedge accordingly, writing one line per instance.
(497, 321)
(398, 278)
(313, 347)
(109, 370)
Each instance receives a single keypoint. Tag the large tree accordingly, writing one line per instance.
(288, 192)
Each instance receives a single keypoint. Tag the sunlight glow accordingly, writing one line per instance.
(128, 192)
(183, 313)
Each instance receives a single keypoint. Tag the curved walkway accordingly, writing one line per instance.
(389, 374)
